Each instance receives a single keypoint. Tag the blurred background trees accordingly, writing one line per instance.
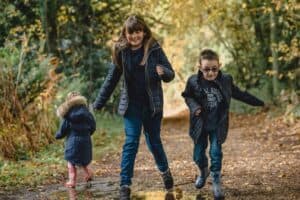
(50, 47)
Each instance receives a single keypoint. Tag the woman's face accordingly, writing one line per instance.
(135, 39)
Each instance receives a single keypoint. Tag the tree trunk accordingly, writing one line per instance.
(48, 16)
(274, 42)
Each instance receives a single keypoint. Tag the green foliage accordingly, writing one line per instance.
(24, 101)
(76, 32)
(257, 40)
(83, 30)
(35, 38)
(17, 18)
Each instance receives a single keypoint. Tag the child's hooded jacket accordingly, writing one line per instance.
(78, 124)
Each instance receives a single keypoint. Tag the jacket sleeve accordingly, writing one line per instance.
(63, 129)
(108, 86)
(167, 67)
(244, 96)
(190, 99)
(92, 123)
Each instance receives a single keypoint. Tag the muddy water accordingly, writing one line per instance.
(110, 191)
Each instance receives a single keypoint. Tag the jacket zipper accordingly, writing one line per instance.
(221, 90)
(148, 83)
(124, 78)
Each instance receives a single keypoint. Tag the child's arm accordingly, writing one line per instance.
(108, 86)
(167, 74)
(188, 95)
(92, 123)
(63, 130)
(245, 97)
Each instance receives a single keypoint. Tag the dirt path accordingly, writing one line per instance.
(261, 161)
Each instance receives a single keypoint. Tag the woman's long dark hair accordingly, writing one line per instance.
(132, 24)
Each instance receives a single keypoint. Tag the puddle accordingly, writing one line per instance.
(108, 189)
(76, 194)
(95, 190)
(160, 195)
(111, 192)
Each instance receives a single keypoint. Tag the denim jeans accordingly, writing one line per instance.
(136, 117)
(215, 151)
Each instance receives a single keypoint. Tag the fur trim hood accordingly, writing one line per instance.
(64, 108)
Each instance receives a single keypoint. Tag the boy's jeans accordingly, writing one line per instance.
(136, 116)
(215, 151)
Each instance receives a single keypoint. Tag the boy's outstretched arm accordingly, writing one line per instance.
(108, 86)
(245, 97)
(189, 99)
(63, 129)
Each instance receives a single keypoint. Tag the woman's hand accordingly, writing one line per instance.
(159, 70)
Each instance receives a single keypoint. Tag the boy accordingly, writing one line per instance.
(208, 95)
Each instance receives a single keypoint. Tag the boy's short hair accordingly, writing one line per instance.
(208, 54)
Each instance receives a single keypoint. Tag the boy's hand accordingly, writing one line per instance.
(159, 70)
(197, 113)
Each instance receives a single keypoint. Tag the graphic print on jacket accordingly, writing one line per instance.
(214, 100)
(214, 97)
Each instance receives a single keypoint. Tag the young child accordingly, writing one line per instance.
(78, 124)
(208, 96)
(144, 66)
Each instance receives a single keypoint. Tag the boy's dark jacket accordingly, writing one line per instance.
(78, 124)
(196, 99)
(155, 57)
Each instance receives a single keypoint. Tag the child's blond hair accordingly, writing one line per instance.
(70, 95)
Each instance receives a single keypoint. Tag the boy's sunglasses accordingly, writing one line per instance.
(213, 69)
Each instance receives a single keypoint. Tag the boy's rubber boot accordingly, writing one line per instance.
(125, 192)
(168, 180)
(216, 185)
(201, 179)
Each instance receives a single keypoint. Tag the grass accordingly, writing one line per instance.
(108, 135)
(48, 166)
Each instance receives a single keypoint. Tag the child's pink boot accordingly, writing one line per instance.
(89, 174)
(72, 176)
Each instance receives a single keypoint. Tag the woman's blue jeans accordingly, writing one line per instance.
(136, 117)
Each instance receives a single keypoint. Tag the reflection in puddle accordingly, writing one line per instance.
(112, 193)
(159, 195)
(72, 194)
(83, 192)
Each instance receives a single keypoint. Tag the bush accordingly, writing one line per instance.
(26, 94)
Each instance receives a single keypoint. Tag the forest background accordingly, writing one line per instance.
(51, 47)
